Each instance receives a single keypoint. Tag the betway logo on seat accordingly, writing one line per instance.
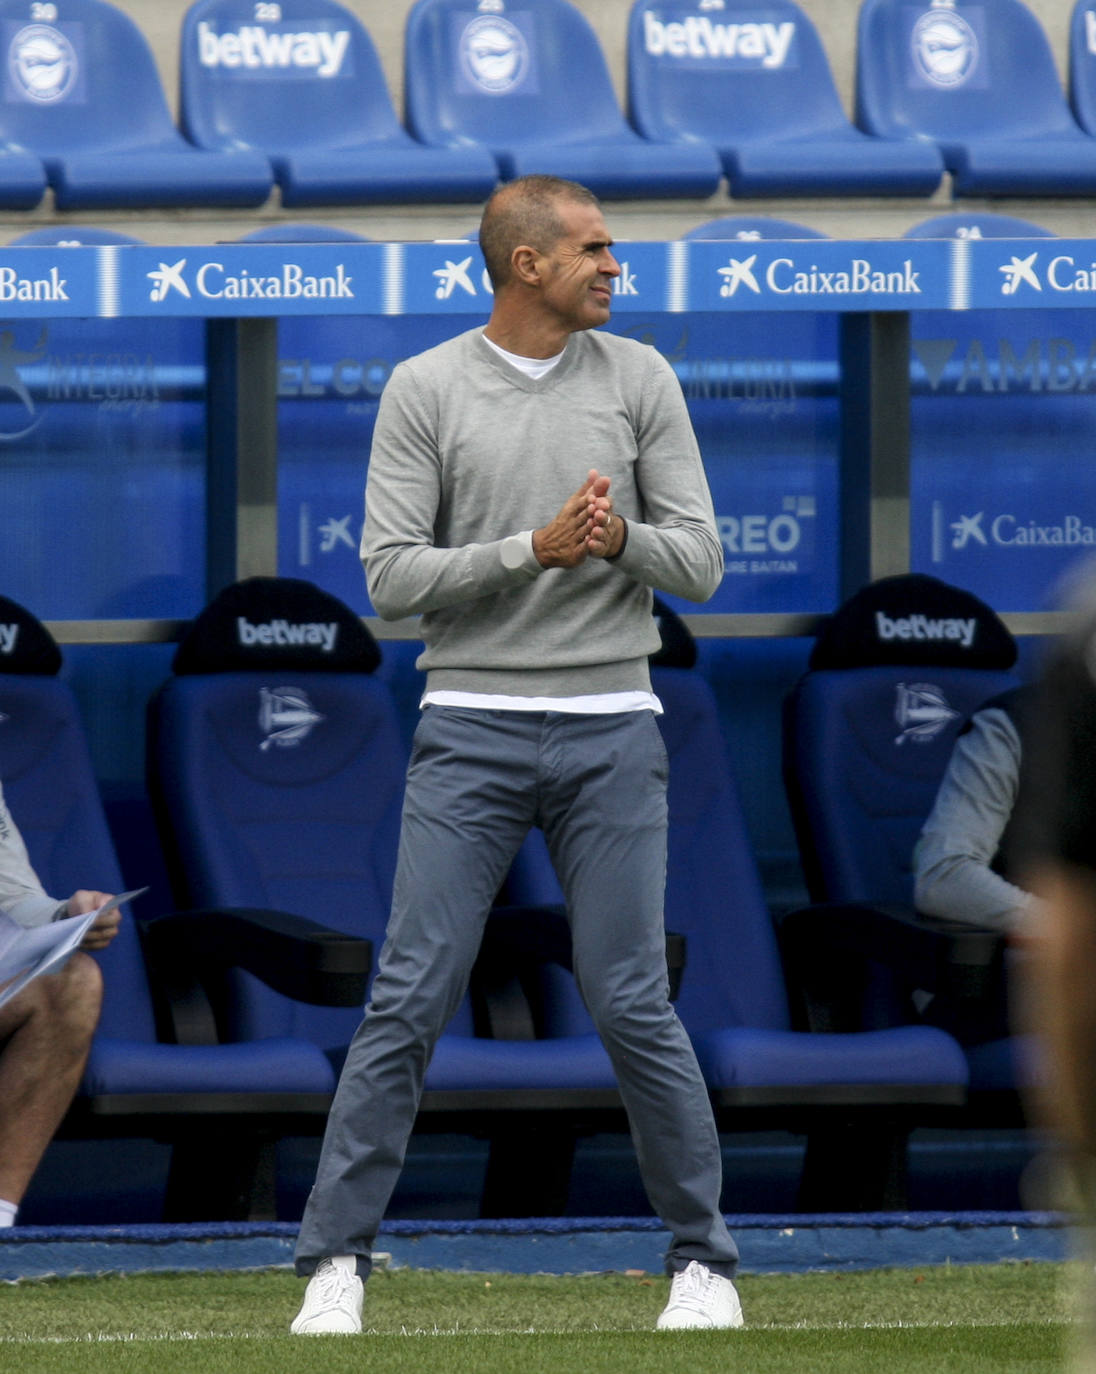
(697, 37)
(924, 627)
(8, 635)
(255, 48)
(285, 634)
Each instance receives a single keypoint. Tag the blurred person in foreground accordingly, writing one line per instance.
(46, 1028)
(530, 483)
(1057, 838)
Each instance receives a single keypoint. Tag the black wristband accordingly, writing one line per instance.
(612, 557)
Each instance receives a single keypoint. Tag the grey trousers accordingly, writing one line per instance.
(476, 783)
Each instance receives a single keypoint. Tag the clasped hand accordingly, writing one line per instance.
(584, 528)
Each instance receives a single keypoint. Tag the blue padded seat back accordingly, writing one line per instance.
(733, 975)
(86, 80)
(531, 74)
(868, 729)
(282, 790)
(744, 70)
(867, 750)
(309, 78)
(50, 789)
(714, 895)
(982, 71)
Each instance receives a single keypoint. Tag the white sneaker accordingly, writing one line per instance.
(332, 1301)
(700, 1300)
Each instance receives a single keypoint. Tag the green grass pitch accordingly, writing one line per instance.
(1007, 1317)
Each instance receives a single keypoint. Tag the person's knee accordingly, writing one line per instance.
(624, 1011)
(76, 995)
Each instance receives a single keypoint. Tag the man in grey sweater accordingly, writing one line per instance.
(46, 1028)
(529, 484)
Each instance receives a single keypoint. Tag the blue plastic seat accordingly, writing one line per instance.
(83, 94)
(141, 1078)
(309, 92)
(868, 732)
(22, 179)
(301, 233)
(734, 1000)
(532, 85)
(984, 224)
(752, 227)
(980, 83)
(75, 235)
(753, 81)
(1082, 64)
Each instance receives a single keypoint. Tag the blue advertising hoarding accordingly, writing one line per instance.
(250, 279)
(255, 279)
(1003, 376)
(828, 274)
(1002, 418)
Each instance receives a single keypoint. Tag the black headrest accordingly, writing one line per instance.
(276, 622)
(26, 646)
(917, 620)
(678, 646)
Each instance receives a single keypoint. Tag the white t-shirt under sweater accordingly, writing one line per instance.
(470, 453)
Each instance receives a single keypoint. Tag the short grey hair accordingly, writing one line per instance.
(525, 211)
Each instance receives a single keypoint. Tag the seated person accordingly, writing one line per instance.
(960, 861)
(46, 1028)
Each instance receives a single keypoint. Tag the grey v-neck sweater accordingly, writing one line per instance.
(468, 452)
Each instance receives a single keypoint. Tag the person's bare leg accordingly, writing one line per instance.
(45, 1033)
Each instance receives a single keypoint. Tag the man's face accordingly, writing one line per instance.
(578, 281)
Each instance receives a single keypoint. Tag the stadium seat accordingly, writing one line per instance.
(301, 233)
(977, 225)
(753, 81)
(979, 82)
(532, 85)
(152, 1072)
(71, 235)
(83, 93)
(276, 771)
(1082, 64)
(307, 89)
(752, 227)
(744, 1018)
(868, 732)
(22, 179)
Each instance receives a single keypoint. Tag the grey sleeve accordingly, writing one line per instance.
(675, 547)
(22, 896)
(951, 861)
(405, 571)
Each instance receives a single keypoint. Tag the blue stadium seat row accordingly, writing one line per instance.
(276, 778)
(733, 91)
(978, 83)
